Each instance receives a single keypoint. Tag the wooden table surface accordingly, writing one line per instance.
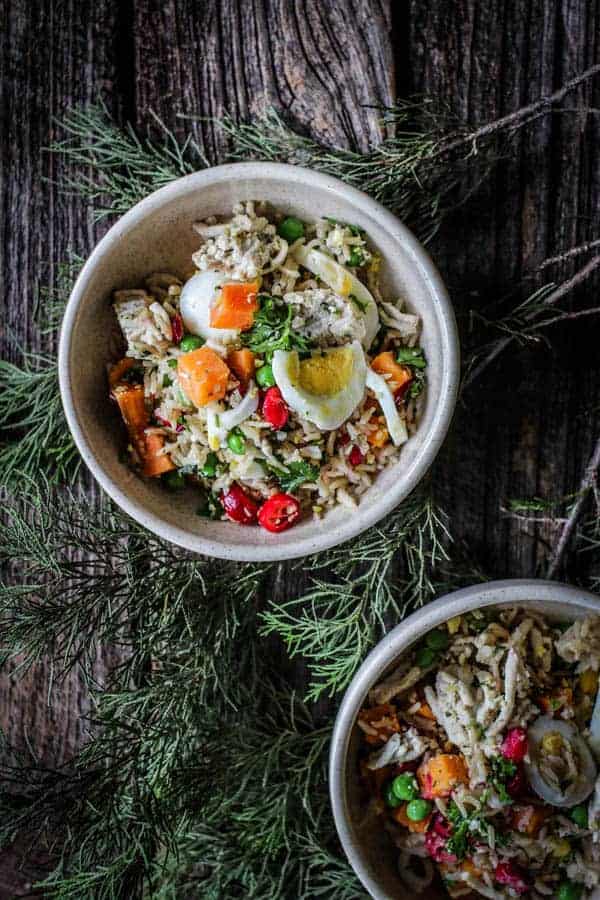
(527, 428)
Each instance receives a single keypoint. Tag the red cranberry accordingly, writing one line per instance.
(177, 328)
(442, 826)
(514, 745)
(356, 457)
(435, 845)
(274, 408)
(517, 785)
(512, 875)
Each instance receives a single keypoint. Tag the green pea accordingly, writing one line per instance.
(405, 787)
(265, 377)
(569, 890)
(437, 640)
(356, 258)
(190, 342)
(425, 657)
(209, 469)
(236, 441)
(291, 229)
(417, 810)
(174, 480)
(579, 815)
(390, 797)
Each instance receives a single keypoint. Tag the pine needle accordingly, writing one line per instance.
(360, 593)
(113, 168)
(35, 437)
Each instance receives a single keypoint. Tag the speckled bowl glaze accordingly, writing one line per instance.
(157, 235)
(371, 858)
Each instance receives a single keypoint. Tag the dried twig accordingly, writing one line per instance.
(569, 254)
(552, 298)
(588, 483)
(518, 118)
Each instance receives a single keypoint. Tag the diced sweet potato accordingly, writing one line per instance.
(380, 436)
(529, 819)
(155, 462)
(203, 376)
(560, 698)
(441, 774)
(132, 404)
(399, 815)
(378, 723)
(241, 363)
(236, 305)
(426, 711)
(399, 376)
(116, 372)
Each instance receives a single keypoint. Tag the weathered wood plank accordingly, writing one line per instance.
(528, 427)
(52, 55)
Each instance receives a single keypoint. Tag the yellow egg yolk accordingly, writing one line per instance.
(326, 373)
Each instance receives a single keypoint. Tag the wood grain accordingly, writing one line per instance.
(529, 426)
(52, 55)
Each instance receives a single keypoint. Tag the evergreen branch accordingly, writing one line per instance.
(191, 802)
(114, 168)
(360, 592)
(35, 433)
(90, 576)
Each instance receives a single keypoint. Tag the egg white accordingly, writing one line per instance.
(344, 283)
(198, 296)
(327, 412)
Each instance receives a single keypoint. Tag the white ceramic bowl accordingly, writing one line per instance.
(156, 235)
(372, 858)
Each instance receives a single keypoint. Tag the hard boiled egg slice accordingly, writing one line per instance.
(327, 387)
(561, 769)
(344, 283)
(198, 296)
(395, 425)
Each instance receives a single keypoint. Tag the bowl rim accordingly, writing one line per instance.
(449, 351)
(528, 592)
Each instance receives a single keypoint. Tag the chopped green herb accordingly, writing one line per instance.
(412, 357)
(356, 258)
(299, 472)
(135, 375)
(502, 771)
(172, 363)
(272, 329)
(211, 508)
(167, 382)
(362, 306)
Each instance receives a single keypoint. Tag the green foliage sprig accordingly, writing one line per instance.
(359, 589)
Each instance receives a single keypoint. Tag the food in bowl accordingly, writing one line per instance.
(274, 377)
(478, 757)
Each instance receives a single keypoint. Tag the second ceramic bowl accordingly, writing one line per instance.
(372, 860)
(157, 235)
